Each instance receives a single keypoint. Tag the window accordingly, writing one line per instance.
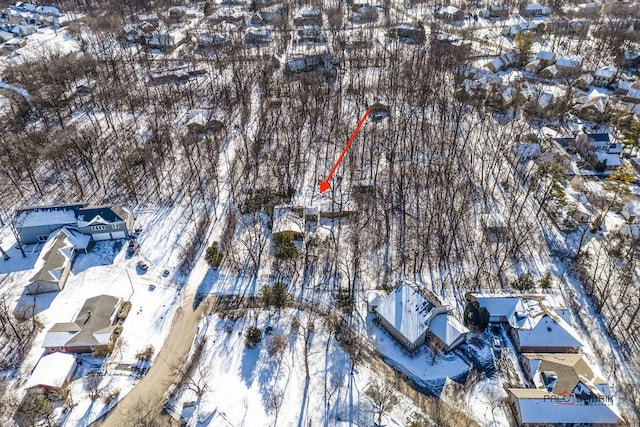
(98, 227)
(115, 226)
(42, 239)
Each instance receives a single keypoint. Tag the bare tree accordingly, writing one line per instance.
(383, 395)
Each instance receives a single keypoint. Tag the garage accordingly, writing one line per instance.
(101, 236)
(118, 235)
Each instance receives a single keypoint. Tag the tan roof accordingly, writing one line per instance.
(569, 368)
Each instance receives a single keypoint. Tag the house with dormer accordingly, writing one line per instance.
(35, 224)
(567, 390)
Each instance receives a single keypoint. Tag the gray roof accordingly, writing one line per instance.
(54, 258)
(91, 324)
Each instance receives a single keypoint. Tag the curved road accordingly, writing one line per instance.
(149, 391)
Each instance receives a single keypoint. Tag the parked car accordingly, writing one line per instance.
(142, 265)
(495, 343)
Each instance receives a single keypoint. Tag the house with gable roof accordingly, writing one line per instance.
(53, 265)
(35, 224)
(92, 328)
(567, 391)
(411, 316)
(536, 323)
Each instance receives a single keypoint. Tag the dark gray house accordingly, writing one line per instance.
(35, 224)
(105, 222)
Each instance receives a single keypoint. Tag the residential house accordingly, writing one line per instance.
(105, 222)
(310, 35)
(51, 375)
(288, 222)
(256, 36)
(584, 81)
(308, 17)
(93, 327)
(543, 332)
(632, 95)
(450, 14)
(53, 265)
(527, 151)
(534, 66)
(494, 225)
(213, 41)
(275, 18)
(604, 76)
(35, 224)
(315, 63)
(596, 109)
(535, 9)
(365, 15)
(566, 391)
(409, 33)
(497, 10)
(550, 72)
(631, 212)
(569, 65)
(408, 314)
(546, 57)
(151, 18)
(536, 322)
(631, 58)
(504, 61)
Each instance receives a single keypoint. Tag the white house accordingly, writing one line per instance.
(631, 212)
(604, 76)
(567, 391)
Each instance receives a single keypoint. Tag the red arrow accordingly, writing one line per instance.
(324, 185)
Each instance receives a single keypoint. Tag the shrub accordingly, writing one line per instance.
(276, 345)
(476, 316)
(111, 396)
(253, 337)
(123, 312)
(145, 354)
(214, 256)
(524, 282)
(546, 281)
(275, 295)
(284, 248)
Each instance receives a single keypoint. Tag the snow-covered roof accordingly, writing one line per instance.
(407, 311)
(606, 73)
(500, 306)
(612, 159)
(447, 328)
(52, 370)
(534, 6)
(569, 62)
(528, 150)
(546, 55)
(632, 208)
(546, 332)
(286, 220)
(450, 10)
(40, 217)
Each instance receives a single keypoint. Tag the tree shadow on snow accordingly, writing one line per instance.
(205, 286)
(16, 261)
(250, 358)
(30, 305)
